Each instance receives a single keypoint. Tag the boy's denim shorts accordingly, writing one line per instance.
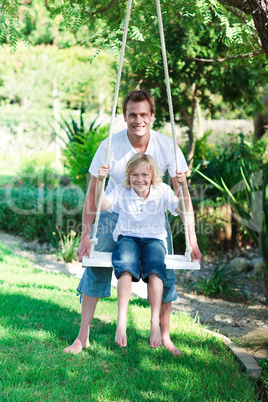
(96, 282)
(139, 256)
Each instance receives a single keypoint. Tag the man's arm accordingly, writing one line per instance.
(89, 213)
(196, 254)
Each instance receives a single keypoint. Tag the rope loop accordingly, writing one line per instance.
(94, 241)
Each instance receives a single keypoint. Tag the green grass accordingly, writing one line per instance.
(40, 315)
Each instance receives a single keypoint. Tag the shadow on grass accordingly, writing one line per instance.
(38, 330)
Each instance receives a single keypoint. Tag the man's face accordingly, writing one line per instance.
(138, 118)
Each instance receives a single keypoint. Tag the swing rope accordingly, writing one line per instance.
(173, 128)
(94, 239)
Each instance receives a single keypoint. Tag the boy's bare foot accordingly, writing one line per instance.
(156, 337)
(76, 347)
(121, 336)
(168, 344)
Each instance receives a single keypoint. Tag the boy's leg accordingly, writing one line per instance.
(154, 269)
(126, 262)
(124, 286)
(155, 290)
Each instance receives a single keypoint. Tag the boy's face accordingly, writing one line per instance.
(138, 118)
(140, 180)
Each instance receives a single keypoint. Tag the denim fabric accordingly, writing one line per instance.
(139, 256)
(96, 282)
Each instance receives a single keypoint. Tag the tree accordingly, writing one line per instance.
(258, 10)
(193, 82)
(104, 20)
(210, 45)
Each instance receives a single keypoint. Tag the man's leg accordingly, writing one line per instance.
(169, 295)
(88, 310)
(164, 324)
(124, 286)
(155, 290)
(95, 282)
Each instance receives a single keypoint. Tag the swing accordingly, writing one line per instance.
(104, 259)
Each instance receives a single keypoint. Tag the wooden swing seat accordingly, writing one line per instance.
(102, 259)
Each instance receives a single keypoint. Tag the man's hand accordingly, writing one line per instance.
(84, 248)
(181, 178)
(103, 173)
(196, 253)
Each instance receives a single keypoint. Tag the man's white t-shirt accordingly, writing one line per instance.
(141, 217)
(160, 147)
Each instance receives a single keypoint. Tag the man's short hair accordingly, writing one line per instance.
(139, 96)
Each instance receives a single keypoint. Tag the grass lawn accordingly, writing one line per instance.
(40, 315)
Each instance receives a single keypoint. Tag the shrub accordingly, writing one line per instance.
(222, 282)
(81, 149)
(68, 245)
(225, 160)
(38, 170)
(32, 175)
(207, 226)
(35, 212)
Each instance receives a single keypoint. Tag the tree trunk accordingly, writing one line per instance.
(259, 11)
(260, 17)
(56, 109)
(191, 146)
(265, 278)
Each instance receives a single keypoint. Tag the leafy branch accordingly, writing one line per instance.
(101, 10)
(222, 59)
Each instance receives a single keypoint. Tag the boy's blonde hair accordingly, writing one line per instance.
(138, 160)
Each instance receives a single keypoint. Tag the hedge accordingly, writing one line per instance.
(34, 213)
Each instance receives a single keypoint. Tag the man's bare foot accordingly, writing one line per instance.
(121, 335)
(76, 347)
(169, 345)
(156, 337)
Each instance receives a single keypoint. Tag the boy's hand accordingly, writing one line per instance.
(181, 178)
(103, 172)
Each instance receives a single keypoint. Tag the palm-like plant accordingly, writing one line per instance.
(252, 210)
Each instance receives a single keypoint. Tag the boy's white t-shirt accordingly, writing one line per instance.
(160, 147)
(141, 217)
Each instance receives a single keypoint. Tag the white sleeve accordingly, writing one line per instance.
(183, 167)
(113, 197)
(98, 159)
(171, 202)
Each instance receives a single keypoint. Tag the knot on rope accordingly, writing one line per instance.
(188, 253)
(94, 241)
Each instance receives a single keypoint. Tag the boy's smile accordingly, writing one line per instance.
(140, 180)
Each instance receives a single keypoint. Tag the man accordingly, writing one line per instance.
(139, 111)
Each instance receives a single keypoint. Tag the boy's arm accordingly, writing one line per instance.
(102, 174)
